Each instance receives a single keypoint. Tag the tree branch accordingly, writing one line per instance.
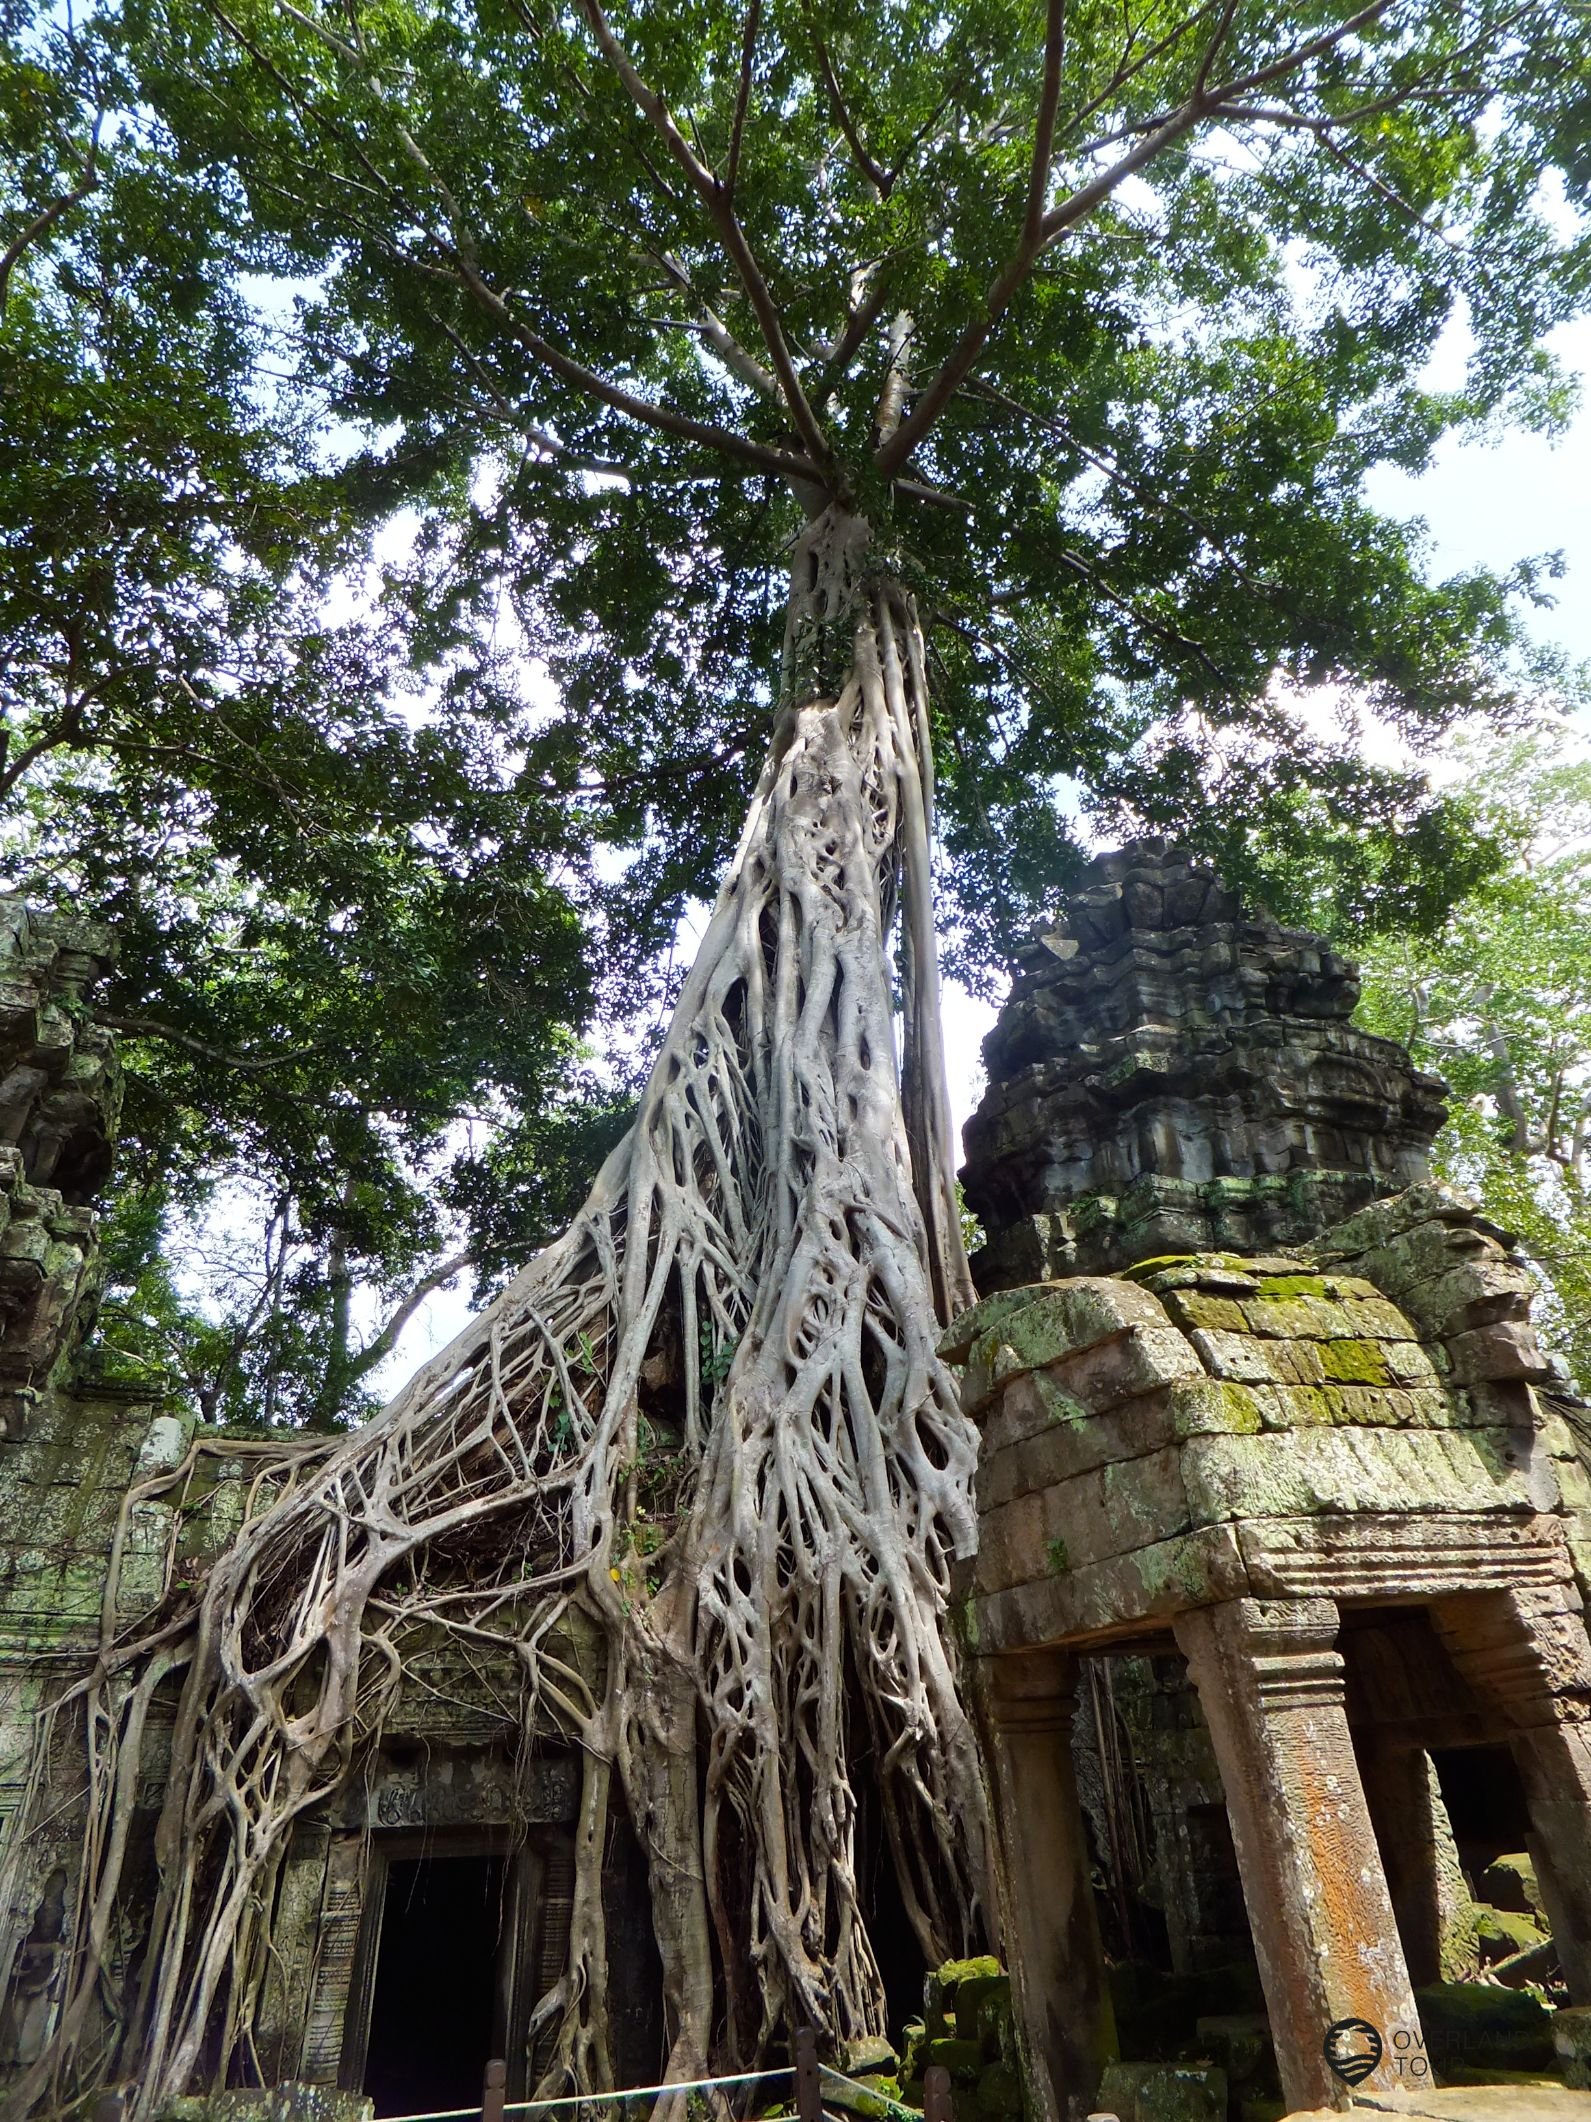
(959, 362)
(717, 334)
(748, 49)
(461, 267)
(1212, 49)
(720, 210)
(460, 253)
(40, 225)
(1289, 63)
(881, 179)
(369, 1356)
(152, 1028)
(1201, 103)
(843, 351)
(1044, 124)
(61, 734)
(759, 456)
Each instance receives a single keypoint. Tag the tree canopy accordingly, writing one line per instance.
(1151, 288)
(1098, 316)
(1498, 1001)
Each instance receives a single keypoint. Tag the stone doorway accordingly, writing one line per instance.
(446, 1969)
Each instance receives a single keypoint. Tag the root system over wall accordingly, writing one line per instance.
(690, 1602)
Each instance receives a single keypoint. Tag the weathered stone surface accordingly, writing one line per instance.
(1102, 1335)
(1164, 2092)
(60, 1103)
(1571, 2041)
(1473, 2025)
(1509, 1883)
(1173, 1073)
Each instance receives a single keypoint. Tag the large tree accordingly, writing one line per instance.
(844, 394)
(328, 882)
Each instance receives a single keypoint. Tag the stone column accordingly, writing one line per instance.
(1025, 1704)
(1527, 1653)
(1421, 1861)
(1271, 1683)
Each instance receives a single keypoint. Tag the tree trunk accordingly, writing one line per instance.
(761, 1546)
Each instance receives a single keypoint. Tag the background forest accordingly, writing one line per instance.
(393, 707)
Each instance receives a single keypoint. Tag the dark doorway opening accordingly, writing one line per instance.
(433, 2014)
(901, 1965)
(1485, 1802)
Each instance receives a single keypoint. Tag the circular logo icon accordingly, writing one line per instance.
(1353, 2049)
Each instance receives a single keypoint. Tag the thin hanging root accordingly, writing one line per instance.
(764, 1201)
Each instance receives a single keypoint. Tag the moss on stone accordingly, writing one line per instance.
(1355, 1362)
(1295, 1285)
(962, 2058)
(1239, 1406)
(1060, 1406)
(1310, 1404)
(1195, 1307)
(1475, 2025)
(875, 2101)
(1059, 1560)
(950, 1976)
(1502, 1932)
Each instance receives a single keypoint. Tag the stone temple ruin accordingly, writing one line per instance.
(1274, 1630)
(1261, 1406)
(90, 1463)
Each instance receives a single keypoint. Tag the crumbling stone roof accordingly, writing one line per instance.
(1217, 1425)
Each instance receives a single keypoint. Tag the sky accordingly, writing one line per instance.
(1484, 504)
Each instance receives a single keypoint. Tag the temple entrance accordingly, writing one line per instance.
(455, 1931)
(436, 1983)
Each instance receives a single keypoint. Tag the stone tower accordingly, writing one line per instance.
(1175, 1073)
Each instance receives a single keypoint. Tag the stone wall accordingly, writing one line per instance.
(60, 1102)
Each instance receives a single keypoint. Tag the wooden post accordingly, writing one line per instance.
(808, 2093)
(493, 2090)
(936, 2094)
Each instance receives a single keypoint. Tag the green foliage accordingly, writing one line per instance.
(342, 942)
(1498, 1001)
(570, 348)
(1146, 519)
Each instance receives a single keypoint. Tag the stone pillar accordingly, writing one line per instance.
(1526, 1652)
(1271, 1683)
(1064, 2018)
(1436, 1921)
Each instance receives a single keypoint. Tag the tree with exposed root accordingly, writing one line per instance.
(907, 302)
